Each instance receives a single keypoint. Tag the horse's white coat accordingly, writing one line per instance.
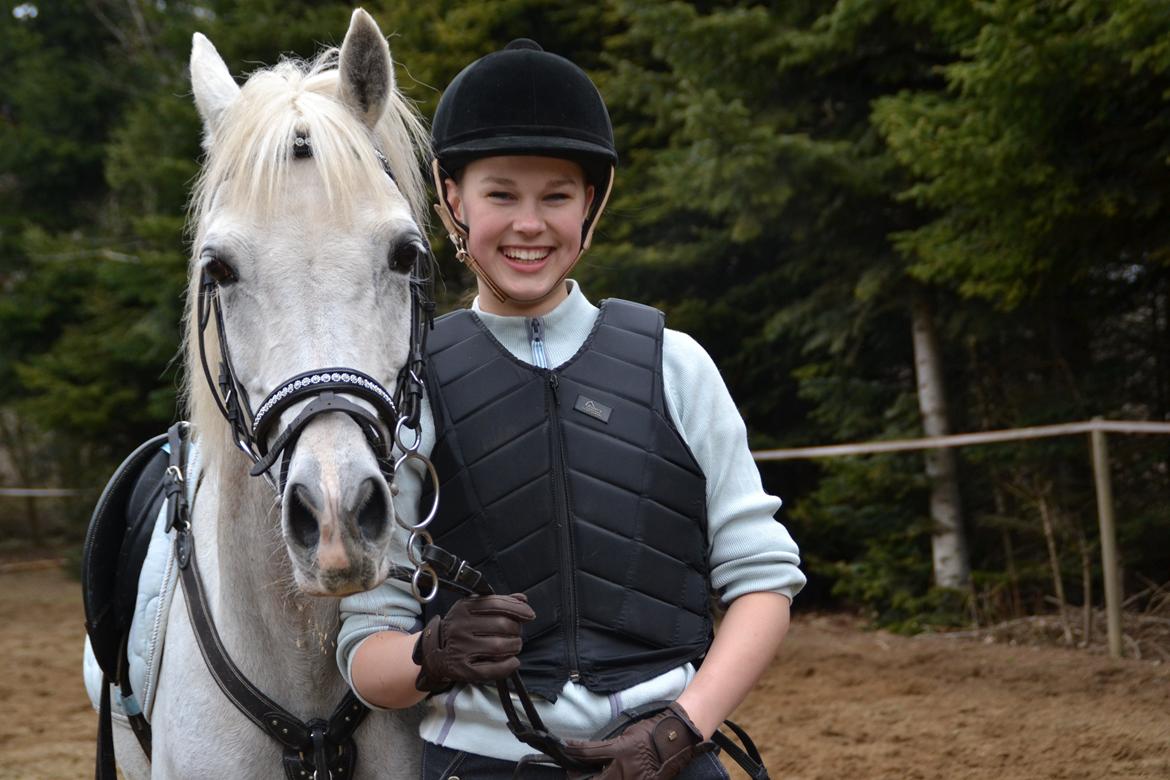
(309, 240)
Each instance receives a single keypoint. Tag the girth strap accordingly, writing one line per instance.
(104, 766)
(138, 723)
(320, 748)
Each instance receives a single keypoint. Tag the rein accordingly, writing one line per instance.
(456, 574)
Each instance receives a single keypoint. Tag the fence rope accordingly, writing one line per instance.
(963, 439)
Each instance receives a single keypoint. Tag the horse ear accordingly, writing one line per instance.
(367, 75)
(212, 83)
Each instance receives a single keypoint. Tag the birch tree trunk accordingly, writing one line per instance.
(1054, 563)
(952, 568)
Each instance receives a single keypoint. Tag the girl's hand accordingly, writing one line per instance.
(476, 641)
(655, 748)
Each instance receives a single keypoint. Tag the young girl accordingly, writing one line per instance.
(593, 465)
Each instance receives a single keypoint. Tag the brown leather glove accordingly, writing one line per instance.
(655, 748)
(476, 641)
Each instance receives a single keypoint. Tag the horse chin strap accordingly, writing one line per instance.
(458, 233)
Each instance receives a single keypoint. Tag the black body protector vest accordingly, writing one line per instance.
(573, 486)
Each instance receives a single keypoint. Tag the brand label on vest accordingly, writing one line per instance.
(593, 408)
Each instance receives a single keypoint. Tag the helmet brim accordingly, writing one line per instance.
(457, 155)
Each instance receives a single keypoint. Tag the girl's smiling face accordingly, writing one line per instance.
(525, 216)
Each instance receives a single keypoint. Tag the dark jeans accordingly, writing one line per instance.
(440, 763)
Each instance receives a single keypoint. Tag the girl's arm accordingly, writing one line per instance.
(478, 640)
(382, 673)
(745, 644)
(754, 561)
(751, 631)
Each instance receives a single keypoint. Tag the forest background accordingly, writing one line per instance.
(804, 186)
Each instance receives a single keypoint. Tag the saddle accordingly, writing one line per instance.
(115, 548)
(127, 581)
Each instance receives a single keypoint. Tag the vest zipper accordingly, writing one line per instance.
(561, 497)
(536, 341)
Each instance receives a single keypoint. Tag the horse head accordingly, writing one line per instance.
(308, 225)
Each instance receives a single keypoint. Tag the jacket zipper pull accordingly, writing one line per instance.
(536, 342)
(554, 384)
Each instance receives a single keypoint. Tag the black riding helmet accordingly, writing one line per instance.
(522, 100)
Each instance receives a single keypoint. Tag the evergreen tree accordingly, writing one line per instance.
(803, 185)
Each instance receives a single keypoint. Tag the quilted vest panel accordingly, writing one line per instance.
(572, 486)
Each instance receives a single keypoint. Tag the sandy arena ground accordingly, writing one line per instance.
(839, 702)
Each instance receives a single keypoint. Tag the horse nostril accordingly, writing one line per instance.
(372, 517)
(302, 523)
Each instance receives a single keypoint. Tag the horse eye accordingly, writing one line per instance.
(406, 255)
(218, 268)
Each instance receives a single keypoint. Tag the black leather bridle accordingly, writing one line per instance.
(393, 413)
(319, 748)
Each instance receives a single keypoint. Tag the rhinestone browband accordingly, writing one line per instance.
(340, 377)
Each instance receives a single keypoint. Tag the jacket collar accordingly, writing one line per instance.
(571, 314)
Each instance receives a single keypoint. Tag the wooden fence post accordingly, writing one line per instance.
(1108, 538)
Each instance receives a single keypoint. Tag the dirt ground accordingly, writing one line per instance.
(839, 702)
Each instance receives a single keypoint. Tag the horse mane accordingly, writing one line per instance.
(249, 163)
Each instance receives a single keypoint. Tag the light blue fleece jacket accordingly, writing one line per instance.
(749, 550)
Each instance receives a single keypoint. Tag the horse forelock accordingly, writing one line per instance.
(249, 164)
(251, 157)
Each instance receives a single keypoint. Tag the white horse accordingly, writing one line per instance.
(309, 249)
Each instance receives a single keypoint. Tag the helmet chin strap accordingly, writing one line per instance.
(458, 232)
